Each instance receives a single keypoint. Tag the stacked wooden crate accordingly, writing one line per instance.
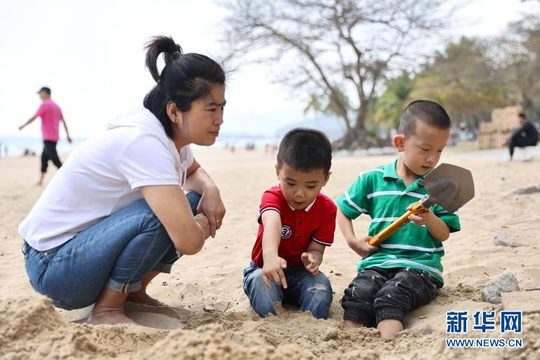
(493, 134)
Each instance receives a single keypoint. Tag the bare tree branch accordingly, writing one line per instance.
(336, 51)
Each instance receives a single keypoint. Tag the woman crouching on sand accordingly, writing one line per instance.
(128, 203)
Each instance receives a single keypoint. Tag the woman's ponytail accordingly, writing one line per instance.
(155, 47)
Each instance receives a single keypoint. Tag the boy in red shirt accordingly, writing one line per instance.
(296, 224)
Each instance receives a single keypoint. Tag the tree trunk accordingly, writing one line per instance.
(356, 139)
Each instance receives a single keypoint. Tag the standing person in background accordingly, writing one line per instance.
(525, 135)
(51, 115)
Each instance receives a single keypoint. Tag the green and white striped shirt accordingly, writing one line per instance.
(382, 195)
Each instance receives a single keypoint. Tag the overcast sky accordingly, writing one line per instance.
(91, 55)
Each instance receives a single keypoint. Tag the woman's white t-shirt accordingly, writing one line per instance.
(103, 175)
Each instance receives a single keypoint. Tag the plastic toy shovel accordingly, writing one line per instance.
(448, 185)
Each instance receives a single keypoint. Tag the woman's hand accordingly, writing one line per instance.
(204, 224)
(212, 206)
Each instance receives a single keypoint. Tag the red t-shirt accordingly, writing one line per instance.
(298, 227)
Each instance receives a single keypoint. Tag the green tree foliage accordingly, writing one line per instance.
(472, 76)
(464, 79)
(518, 57)
(390, 105)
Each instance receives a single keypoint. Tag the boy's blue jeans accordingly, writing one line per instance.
(311, 293)
(117, 253)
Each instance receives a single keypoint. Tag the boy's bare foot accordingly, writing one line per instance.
(145, 299)
(388, 328)
(109, 318)
(351, 324)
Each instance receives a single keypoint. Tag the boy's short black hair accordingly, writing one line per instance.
(522, 115)
(305, 150)
(429, 112)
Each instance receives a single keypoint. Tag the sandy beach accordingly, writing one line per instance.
(210, 317)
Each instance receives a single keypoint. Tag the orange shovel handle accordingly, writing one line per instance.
(418, 208)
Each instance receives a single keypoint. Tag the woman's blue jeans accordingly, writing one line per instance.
(117, 253)
(310, 292)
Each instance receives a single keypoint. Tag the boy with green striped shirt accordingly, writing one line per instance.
(405, 271)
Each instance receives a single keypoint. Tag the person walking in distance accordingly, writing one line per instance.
(51, 116)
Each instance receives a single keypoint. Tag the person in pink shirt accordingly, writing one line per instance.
(51, 116)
